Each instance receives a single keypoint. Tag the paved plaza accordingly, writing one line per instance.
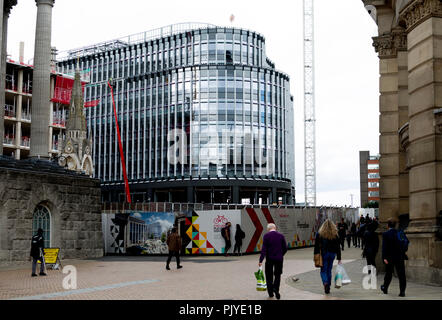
(202, 278)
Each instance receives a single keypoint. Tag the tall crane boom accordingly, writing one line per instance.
(309, 105)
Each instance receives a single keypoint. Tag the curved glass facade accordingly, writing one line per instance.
(201, 104)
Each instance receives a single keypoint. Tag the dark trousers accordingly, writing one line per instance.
(42, 266)
(355, 242)
(349, 241)
(273, 271)
(400, 269)
(371, 259)
(342, 241)
(228, 246)
(237, 247)
(175, 254)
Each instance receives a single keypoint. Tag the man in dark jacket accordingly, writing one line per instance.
(37, 253)
(274, 248)
(393, 257)
(371, 241)
(353, 234)
(342, 232)
(225, 232)
(174, 243)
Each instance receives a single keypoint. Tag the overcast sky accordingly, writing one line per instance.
(347, 75)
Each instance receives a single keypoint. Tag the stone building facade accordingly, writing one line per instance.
(38, 193)
(409, 45)
(72, 203)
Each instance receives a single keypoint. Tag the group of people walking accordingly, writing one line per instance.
(329, 242)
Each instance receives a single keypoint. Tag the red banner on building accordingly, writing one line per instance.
(63, 90)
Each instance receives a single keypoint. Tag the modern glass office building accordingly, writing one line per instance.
(203, 113)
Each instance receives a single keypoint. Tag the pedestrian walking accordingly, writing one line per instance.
(360, 233)
(393, 255)
(174, 243)
(328, 245)
(371, 241)
(37, 253)
(353, 234)
(239, 235)
(342, 232)
(225, 232)
(274, 248)
(349, 238)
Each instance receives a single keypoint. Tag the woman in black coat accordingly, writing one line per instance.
(239, 235)
(371, 240)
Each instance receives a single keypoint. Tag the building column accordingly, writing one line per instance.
(190, 195)
(403, 99)
(235, 195)
(423, 20)
(41, 81)
(387, 45)
(274, 198)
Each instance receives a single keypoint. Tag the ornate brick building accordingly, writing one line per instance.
(409, 45)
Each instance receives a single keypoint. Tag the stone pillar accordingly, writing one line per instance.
(387, 45)
(7, 6)
(403, 98)
(41, 81)
(423, 20)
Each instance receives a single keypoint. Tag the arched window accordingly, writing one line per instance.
(42, 219)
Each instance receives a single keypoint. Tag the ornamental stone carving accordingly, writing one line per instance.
(388, 45)
(418, 11)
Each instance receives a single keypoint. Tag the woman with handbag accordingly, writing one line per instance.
(327, 248)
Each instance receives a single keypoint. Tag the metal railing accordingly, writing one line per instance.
(10, 111)
(133, 39)
(7, 139)
(25, 142)
(59, 122)
(180, 207)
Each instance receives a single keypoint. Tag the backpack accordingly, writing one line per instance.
(403, 241)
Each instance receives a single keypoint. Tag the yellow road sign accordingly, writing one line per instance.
(51, 255)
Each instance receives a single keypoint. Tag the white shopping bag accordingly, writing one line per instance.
(341, 277)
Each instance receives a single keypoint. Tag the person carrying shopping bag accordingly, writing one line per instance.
(327, 244)
(274, 248)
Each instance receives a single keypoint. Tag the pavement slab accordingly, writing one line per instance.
(201, 278)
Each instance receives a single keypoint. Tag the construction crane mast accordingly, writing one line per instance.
(309, 105)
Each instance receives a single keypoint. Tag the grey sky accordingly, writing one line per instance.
(346, 64)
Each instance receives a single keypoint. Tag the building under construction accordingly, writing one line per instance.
(18, 109)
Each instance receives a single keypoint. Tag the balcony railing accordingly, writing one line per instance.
(25, 142)
(26, 116)
(10, 111)
(8, 139)
(59, 122)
